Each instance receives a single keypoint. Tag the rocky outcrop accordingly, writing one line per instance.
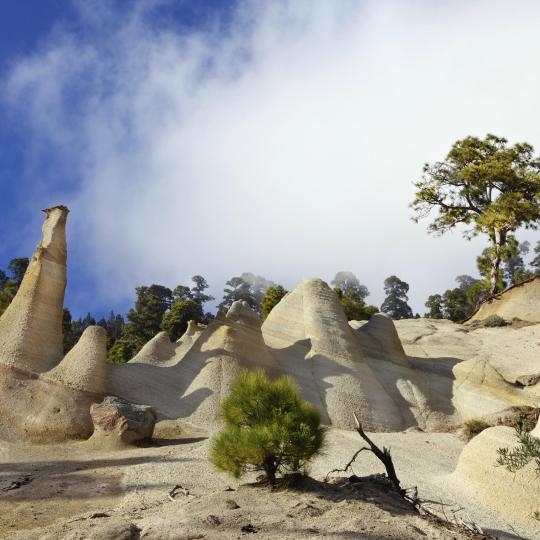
(192, 383)
(190, 336)
(521, 301)
(516, 495)
(379, 339)
(119, 423)
(41, 411)
(486, 368)
(84, 367)
(309, 335)
(31, 326)
(157, 351)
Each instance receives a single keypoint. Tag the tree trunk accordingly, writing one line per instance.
(498, 245)
(270, 470)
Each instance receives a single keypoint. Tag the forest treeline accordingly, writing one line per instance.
(158, 307)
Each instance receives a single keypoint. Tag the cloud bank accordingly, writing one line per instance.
(283, 141)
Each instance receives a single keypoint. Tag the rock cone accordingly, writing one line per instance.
(84, 367)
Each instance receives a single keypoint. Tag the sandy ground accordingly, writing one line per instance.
(57, 489)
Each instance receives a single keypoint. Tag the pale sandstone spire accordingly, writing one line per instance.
(31, 326)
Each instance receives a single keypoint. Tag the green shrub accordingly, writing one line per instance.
(492, 321)
(474, 426)
(267, 427)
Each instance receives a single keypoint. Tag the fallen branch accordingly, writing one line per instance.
(349, 465)
(383, 455)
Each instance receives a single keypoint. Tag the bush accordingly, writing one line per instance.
(474, 426)
(267, 427)
(493, 320)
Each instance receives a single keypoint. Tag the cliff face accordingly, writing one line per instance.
(31, 327)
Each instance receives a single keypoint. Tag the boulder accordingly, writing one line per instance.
(119, 422)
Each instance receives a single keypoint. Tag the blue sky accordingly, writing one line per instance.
(277, 137)
(29, 171)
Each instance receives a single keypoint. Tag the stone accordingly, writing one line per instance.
(119, 421)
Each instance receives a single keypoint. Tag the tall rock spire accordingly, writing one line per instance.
(31, 326)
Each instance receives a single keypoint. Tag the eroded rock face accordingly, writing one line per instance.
(40, 411)
(521, 301)
(309, 335)
(31, 326)
(516, 495)
(192, 384)
(119, 422)
(157, 351)
(84, 367)
(379, 339)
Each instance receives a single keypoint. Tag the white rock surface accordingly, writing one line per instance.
(31, 326)
(158, 351)
(84, 366)
(521, 301)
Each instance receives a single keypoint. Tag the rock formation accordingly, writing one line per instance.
(515, 495)
(196, 379)
(157, 351)
(84, 366)
(313, 343)
(118, 423)
(488, 369)
(442, 374)
(190, 336)
(379, 339)
(521, 301)
(31, 326)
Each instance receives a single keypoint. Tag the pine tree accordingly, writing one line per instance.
(395, 303)
(267, 427)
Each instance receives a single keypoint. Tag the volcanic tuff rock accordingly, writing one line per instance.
(521, 301)
(309, 335)
(31, 326)
(55, 406)
(513, 495)
(380, 339)
(84, 367)
(487, 367)
(195, 380)
(157, 351)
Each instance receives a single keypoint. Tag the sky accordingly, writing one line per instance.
(278, 137)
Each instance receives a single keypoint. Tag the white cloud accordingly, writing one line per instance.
(286, 147)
